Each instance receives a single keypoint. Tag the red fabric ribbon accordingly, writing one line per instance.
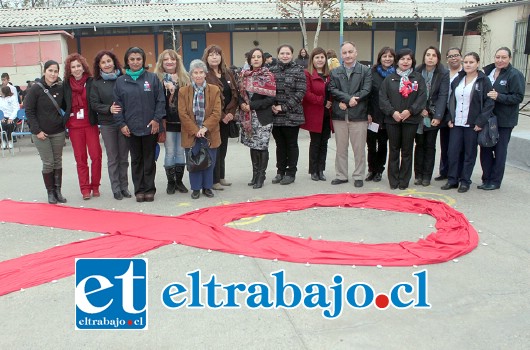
(129, 234)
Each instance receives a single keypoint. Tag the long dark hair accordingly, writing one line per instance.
(384, 50)
(318, 51)
(215, 48)
(99, 56)
(438, 54)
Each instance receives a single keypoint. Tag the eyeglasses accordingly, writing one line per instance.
(454, 56)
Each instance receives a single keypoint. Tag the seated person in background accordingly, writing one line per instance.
(9, 106)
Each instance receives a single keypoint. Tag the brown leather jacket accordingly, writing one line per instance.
(212, 116)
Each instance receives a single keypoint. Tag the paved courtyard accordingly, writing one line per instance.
(479, 301)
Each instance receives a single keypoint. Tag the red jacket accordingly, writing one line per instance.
(314, 102)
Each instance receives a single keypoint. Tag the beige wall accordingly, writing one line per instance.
(424, 39)
(502, 29)
(471, 43)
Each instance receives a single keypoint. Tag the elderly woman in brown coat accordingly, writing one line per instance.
(199, 107)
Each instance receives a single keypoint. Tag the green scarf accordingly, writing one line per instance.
(134, 75)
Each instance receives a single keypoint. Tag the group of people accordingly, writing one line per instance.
(390, 106)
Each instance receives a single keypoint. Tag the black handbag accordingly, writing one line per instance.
(233, 129)
(200, 160)
(489, 135)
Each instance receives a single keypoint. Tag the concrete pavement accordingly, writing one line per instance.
(478, 302)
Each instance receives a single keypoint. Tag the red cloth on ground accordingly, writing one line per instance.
(130, 234)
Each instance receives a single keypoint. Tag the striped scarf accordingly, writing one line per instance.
(198, 103)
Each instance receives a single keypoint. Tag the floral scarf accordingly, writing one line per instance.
(259, 81)
(405, 86)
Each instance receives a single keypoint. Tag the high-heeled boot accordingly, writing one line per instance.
(58, 181)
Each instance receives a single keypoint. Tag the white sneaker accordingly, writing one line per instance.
(10, 144)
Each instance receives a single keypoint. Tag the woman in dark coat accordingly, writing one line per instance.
(316, 105)
(508, 93)
(303, 58)
(402, 98)
(47, 127)
(437, 82)
(141, 97)
(377, 142)
(218, 74)
(107, 69)
(288, 114)
(257, 89)
(470, 108)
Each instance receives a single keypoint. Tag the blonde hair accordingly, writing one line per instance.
(184, 78)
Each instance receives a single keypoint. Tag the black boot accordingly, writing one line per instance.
(58, 181)
(254, 159)
(170, 173)
(263, 161)
(179, 174)
(48, 182)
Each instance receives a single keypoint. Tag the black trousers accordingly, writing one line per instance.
(401, 143)
(318, 147)
(444, 150)
(287, 151)
(461, 168)
(143, 166)
(425, 154)
(219, 170)
(8, 128)
(377, 150)
(493, 159)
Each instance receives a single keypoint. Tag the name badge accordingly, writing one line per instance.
(81, 114)
(147, 86)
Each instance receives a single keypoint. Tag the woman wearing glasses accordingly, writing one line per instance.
(454, 65)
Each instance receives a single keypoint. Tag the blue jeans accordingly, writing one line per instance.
(203, 179)
(174, 152)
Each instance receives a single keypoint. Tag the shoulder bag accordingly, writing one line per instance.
(489, 135)
(61, 112)
(198, 159)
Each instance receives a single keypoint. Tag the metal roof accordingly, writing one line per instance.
(184, 13)
(493, 5)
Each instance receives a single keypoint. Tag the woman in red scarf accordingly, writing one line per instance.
(82, 124)
(257, 89)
